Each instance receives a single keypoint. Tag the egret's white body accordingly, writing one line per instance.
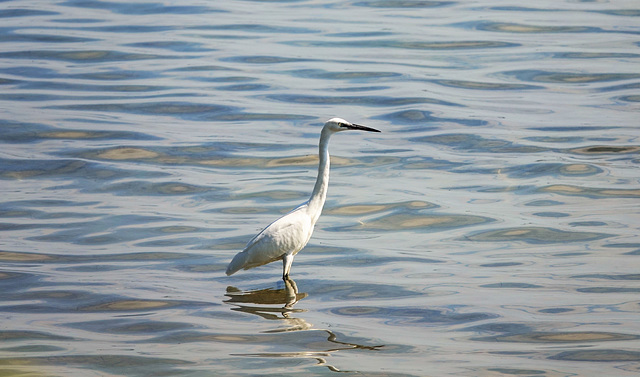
(285, 237)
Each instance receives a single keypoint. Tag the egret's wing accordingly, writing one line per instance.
(289, 233)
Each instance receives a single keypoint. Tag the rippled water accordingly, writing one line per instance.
(490, 230)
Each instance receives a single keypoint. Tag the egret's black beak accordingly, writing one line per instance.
(361, 128)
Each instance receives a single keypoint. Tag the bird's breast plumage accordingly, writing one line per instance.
(287, 235)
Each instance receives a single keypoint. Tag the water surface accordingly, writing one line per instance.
(491, 229)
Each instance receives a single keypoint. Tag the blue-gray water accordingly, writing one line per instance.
(491, 229)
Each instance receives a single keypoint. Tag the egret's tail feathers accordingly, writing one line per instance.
(238, 263)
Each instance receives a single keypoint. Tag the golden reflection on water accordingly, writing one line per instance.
(519, 28)
(9, 256)
(127, 154)
(129, 305)
(365, 209)
(590, 191)
(19, 368)
(535, 235)
(427, 222)
(308, 160)
(561, 337)
(68, 135)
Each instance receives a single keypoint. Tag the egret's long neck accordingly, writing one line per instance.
(319, 194)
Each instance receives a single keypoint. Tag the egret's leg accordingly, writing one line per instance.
(287, 261)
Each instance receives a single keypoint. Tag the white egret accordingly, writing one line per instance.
(285, 237)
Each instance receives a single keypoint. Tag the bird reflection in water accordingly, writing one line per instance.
(277, 304)
(287, 296)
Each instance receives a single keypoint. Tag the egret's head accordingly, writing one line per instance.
(338, 124)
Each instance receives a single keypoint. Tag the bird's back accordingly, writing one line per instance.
(287, 235)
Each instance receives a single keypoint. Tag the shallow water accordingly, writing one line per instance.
(490, 230)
